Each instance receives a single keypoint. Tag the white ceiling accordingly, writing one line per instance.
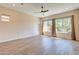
(32, 8)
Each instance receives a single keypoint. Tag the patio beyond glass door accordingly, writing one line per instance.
(64, 27)
(47, 27)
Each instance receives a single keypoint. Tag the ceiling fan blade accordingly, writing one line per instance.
(45, 10)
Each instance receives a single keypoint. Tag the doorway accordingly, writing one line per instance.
(47, 27)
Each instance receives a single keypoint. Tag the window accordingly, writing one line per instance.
(5, 18)
(63, 25)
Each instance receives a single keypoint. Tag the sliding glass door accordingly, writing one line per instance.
(47, 27)
(64, 27)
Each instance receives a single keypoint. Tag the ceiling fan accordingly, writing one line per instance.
(42, 10)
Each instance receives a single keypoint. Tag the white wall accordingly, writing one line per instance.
(20, 26)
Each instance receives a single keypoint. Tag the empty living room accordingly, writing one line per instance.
(39, 28)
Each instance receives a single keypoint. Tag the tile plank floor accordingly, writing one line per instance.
(40, 45)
